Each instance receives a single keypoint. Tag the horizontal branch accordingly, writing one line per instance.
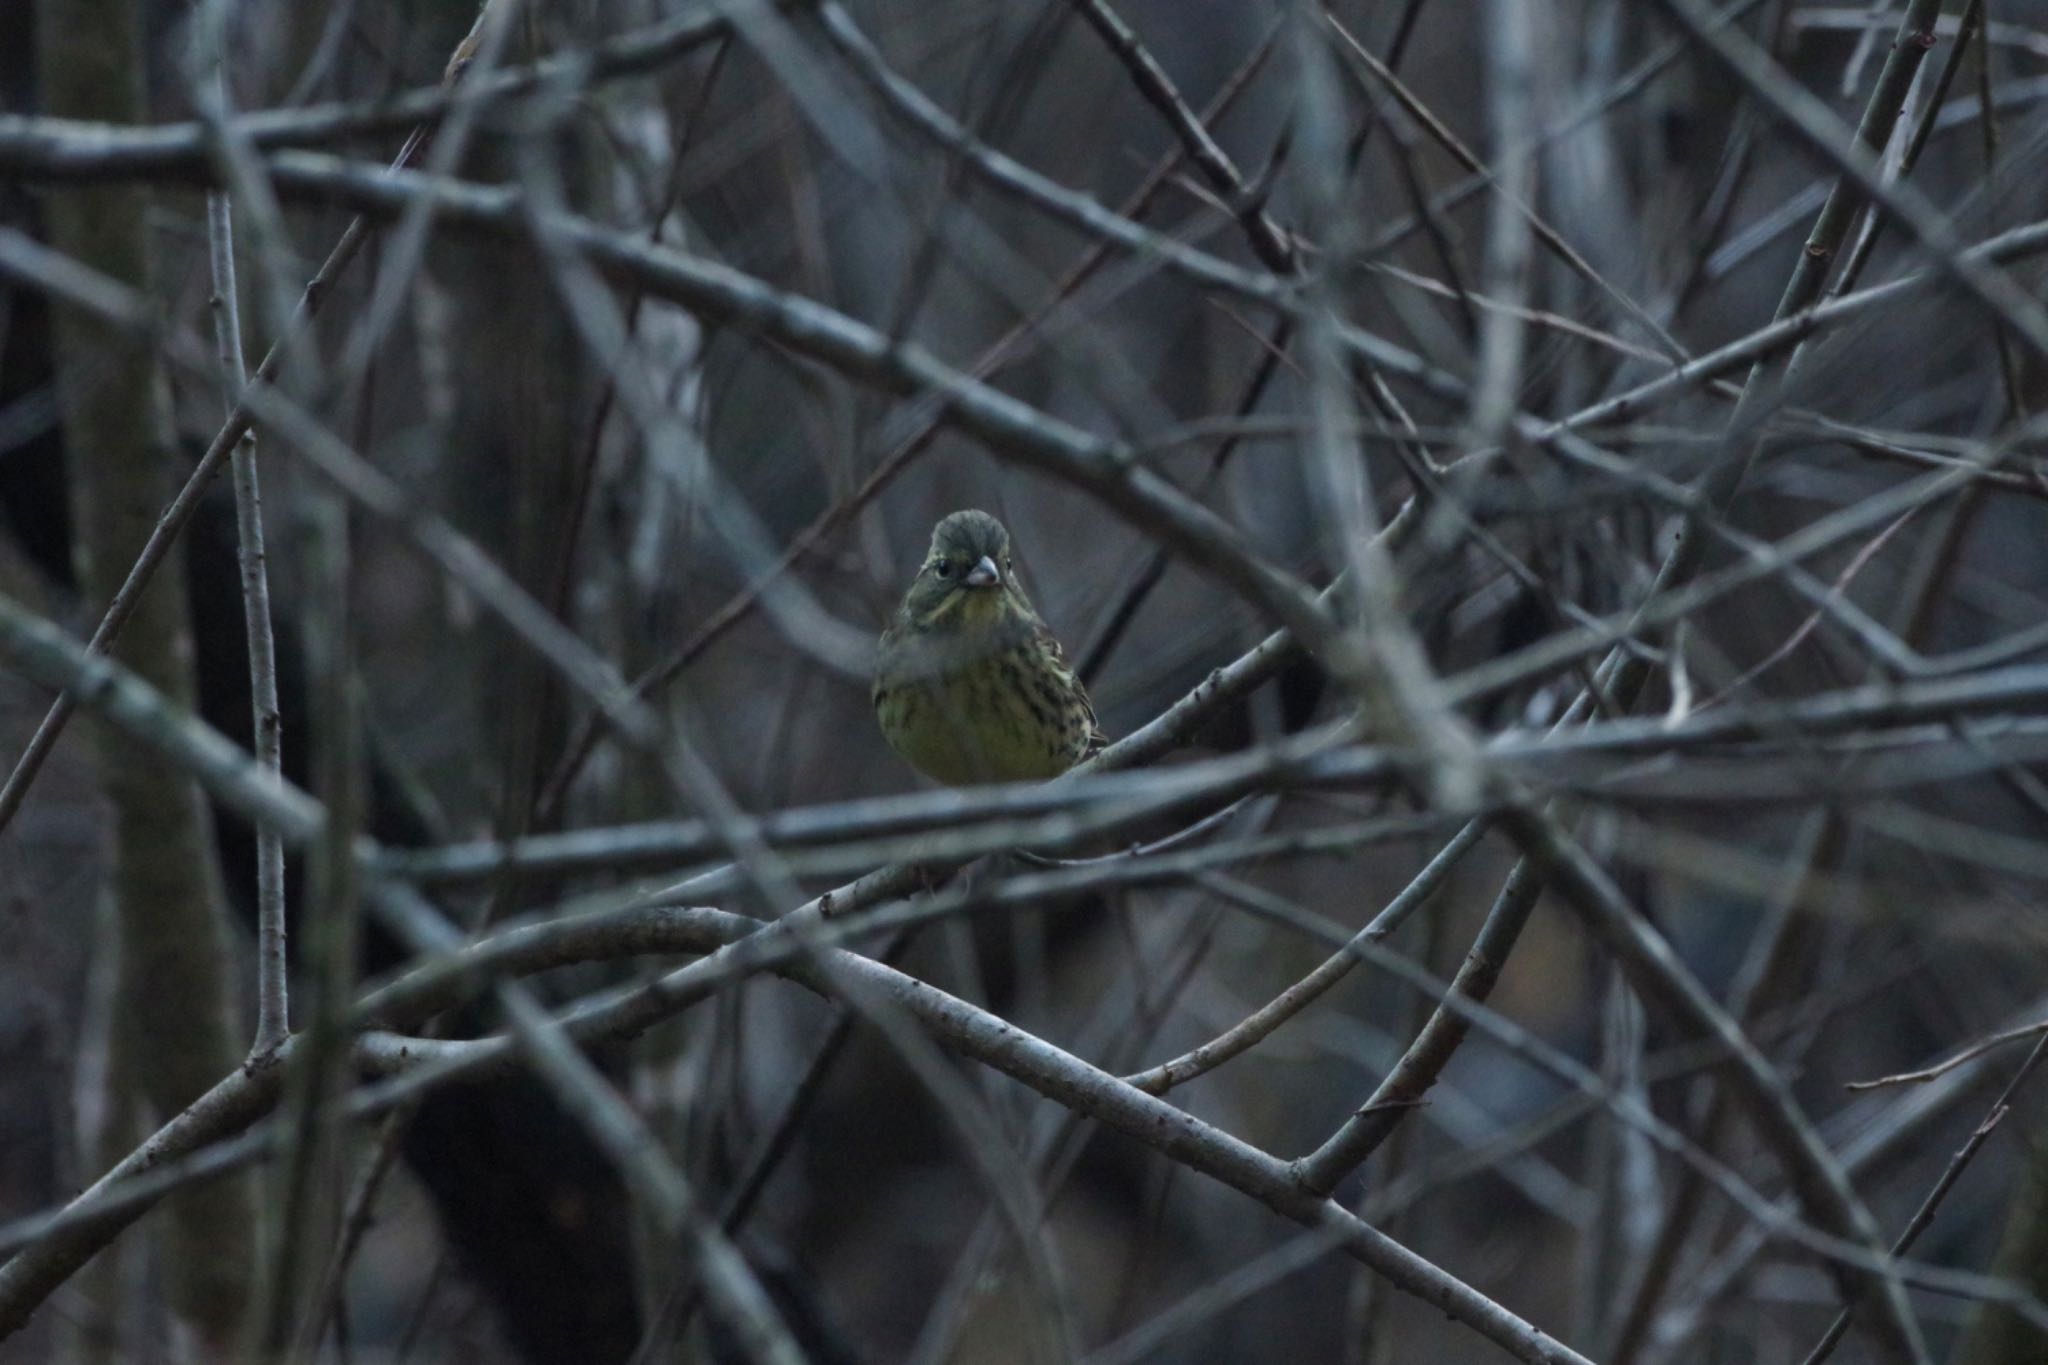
(77, 151)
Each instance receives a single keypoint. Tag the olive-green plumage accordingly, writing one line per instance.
(970, 686)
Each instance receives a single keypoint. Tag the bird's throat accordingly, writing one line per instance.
(969, 611)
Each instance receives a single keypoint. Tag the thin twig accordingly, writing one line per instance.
(1968, 1054)
(266, 723)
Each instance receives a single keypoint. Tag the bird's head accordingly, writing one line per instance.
(968, 580)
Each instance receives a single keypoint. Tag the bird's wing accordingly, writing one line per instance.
(1096, 739)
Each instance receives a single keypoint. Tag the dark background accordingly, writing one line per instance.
(504, 1236)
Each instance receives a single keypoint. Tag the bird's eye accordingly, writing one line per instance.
(943, 567)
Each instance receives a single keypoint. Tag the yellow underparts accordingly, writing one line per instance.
(1014, 714)
(1006, 718)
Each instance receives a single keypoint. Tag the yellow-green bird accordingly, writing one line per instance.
(970, 686)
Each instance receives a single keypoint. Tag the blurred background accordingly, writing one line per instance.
(1859, 927)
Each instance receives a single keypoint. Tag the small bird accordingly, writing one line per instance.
(970, 686)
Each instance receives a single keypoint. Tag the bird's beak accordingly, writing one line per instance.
(983, 574)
